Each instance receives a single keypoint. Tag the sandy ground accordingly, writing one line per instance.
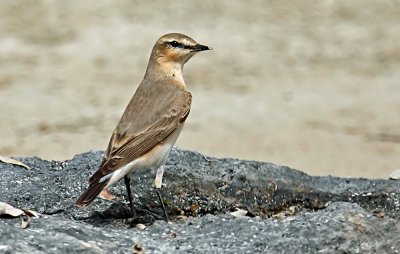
(309, 84)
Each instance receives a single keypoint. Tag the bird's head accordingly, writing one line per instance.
(175, 48)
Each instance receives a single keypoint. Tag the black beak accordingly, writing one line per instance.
(199, 47)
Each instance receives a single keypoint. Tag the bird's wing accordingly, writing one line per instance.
(145, 128)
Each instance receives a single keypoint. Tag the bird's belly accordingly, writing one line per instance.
(159, 154)
(156, 157)
(151, 160)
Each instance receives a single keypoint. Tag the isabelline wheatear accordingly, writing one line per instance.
(151, 122)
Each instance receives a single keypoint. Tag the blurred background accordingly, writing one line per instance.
(314, 85)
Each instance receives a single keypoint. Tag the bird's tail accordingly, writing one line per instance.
(91, 193)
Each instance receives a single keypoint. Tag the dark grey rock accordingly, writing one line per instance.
(289, 211)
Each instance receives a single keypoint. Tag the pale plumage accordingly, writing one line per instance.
(153, 118)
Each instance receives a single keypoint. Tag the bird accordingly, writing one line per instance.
(151, 122)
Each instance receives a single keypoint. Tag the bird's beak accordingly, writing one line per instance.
(199, 47)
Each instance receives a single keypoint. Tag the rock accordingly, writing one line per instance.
(395, 175)
(288, 211)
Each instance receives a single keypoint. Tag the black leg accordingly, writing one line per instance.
(128, 189)
(162, 205)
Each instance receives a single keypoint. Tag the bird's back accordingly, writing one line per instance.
(152, 101)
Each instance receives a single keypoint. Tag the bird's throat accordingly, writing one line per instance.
(166, 70)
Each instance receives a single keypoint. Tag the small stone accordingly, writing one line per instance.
(140, 226)
(395, 175)
(238, 213)
(138, 248)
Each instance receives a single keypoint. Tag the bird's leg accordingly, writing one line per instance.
(159, 176)
(128, 189)
(157, 185)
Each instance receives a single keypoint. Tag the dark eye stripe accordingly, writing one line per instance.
(176, 44)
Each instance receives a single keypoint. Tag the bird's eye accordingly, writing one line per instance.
(174, 44)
